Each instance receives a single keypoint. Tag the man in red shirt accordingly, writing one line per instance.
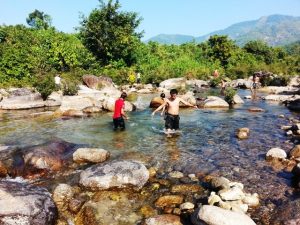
(119, 114)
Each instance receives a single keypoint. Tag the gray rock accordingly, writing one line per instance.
(115, 174)
(24, 204)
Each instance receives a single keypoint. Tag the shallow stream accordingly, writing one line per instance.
(206, 144)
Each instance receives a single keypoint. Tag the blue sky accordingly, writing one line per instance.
(189, 17)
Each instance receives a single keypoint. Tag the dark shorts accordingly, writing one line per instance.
(254, 85)
(172, 121)
(119, 122)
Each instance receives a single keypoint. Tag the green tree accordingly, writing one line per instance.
(221, 48)
(110, 34)
(39, 20)
(260, 50)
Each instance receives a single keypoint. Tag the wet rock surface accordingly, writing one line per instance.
(116, 174)
(21, 203)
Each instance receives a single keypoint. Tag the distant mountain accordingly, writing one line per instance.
(274, 30)
(176, 39)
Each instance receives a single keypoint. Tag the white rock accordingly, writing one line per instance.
(236, 206)
(238, 100)
(215, 102)
(276, 153)
(232, 194)
(251, 200)
(213, 215)
(94, 155)
(187, 206)
(213, 198)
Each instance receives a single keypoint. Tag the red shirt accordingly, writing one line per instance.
(119, 104)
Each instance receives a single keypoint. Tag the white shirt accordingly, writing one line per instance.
(57, 80)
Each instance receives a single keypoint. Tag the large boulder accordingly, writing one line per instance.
(241, 83)
(215, 102)
(156, 102)
(97, 82)
(178, 83)
(115, 174)
(22, 203)
(22, 98)
(76, 103)
(41, 159)
(54, 99)
(237, 99)
(197, 84)
(109, 104)
(279, 98)
(189, 97)
(294, 105)
(294, 81)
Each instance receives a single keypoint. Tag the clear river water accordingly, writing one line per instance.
(206, 144)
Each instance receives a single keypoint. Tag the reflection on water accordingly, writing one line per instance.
(206, 144)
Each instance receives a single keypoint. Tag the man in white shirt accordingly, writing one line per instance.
(57, 80)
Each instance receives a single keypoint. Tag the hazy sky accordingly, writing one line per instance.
(189, 17)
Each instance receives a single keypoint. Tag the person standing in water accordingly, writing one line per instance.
(255, 85)
(163, 97)
(119, 114)
(172, 112)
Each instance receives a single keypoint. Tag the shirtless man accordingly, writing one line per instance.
(172, 113)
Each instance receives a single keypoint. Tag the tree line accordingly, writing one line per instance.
(107, 43)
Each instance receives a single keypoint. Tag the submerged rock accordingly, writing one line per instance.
(164, 219)
(168, 201)
(288, 213)
(62, 195)
(110, 208)
(38, 160)
(243, 133)
(22, 203)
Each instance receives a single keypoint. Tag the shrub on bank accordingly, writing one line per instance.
(229, 94)
(45, 86)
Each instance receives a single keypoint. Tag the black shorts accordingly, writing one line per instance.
(172, 121)
(254, 85)
(119, 122)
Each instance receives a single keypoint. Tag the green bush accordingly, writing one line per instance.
(69, 87)
(45, 87)
(229, 94)
(215, 81)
